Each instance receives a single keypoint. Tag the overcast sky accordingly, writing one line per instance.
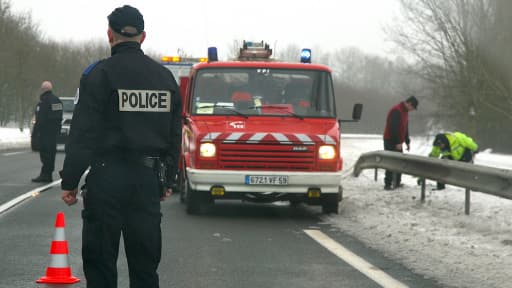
(196, 24)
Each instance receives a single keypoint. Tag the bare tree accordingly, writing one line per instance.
(449, 43)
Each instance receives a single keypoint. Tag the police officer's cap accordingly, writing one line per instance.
(124, 17)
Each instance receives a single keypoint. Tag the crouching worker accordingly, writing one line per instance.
(454, 146)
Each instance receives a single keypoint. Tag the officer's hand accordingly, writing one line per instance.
(166, 193)
(408, 147)
(69, 196)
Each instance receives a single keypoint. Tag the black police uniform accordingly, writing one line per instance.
(45, 131)
(128, 113)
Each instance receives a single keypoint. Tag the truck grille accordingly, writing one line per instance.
(276, 156)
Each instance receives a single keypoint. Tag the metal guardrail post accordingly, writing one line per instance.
(423, 188)
(468, 201)
(375, 174)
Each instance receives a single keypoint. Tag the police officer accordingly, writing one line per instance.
(46, 128)
(126, 124)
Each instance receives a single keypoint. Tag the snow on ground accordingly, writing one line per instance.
(435, 239)
(14, 138)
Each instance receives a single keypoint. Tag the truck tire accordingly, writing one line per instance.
(330, 204)
(182, 186)
(193, 201)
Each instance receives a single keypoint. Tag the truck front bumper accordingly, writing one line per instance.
(234, 181)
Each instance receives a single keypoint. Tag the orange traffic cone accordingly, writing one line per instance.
(59, 272)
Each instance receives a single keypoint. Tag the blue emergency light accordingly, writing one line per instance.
(305, 55)
(212, 54)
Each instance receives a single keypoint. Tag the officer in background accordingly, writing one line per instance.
(126, 127)
(45, 131)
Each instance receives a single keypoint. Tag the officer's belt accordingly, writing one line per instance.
(148, 161)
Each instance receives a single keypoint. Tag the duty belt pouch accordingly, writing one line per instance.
(160, 170)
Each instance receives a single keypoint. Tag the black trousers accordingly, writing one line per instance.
(121, 197)
(467, 156)
(391, 176)
(47, 151)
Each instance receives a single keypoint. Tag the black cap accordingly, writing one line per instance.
(413, 100)
(126, 16)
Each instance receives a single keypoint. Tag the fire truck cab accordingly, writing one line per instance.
(260, 130)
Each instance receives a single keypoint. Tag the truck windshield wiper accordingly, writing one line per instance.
(228, 108)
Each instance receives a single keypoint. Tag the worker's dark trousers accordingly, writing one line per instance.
(391, 176)
(47, 152)
(122, 197)
(467, 156)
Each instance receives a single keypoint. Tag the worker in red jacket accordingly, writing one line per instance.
(396, 133)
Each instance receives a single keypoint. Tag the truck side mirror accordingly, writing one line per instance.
(356, 114)
(357, 111)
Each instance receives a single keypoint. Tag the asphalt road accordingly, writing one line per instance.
(231, 244)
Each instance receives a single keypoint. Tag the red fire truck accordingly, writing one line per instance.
(256, 129)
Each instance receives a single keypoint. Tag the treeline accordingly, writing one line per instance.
(28, 59)
(461, 50)
(375, 81)
(455, 57)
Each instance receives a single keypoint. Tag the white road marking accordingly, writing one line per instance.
(374, 273)
(8, 205)
(14, 153)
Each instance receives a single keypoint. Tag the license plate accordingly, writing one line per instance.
(266, 180)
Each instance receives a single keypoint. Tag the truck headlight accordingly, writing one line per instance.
(207, 150)
(326, 152)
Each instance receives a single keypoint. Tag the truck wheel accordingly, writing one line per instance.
(193, 201)
(182, 186)
(330, 204)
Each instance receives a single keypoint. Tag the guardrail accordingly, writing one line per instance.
(490, 180)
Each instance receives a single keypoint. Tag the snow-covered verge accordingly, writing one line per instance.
(435, 238)
(14, 138)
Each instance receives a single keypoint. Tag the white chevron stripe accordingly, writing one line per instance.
(327, 139)
(281, 138)
(233, 137)
(256, 137)
(304, 138)
(210, 136)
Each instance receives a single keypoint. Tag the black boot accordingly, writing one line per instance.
(42, 179)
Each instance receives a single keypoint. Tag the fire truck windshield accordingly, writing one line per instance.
(263, 91)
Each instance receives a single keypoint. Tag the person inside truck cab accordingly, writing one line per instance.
(210, 89)
(297, 93)
(242, 100)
